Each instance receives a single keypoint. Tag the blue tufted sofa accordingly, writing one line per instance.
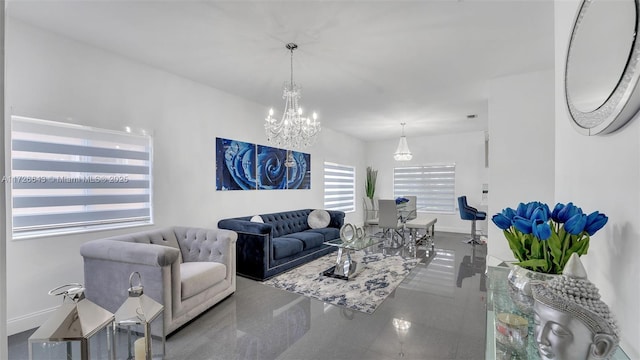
(282, 242)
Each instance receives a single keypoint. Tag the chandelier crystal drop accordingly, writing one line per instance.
(402, 152)
(293, 131)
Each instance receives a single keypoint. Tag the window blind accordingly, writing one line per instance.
(339, 187)
(433, 185)
(67, 177)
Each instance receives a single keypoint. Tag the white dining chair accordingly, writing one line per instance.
(411, 209)
(370, 213)
(389, 220)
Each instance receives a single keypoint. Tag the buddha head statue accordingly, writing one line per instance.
(571, 322)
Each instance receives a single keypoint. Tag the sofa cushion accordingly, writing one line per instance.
(286, 246)
(257, 218)
(309, 239)
(329, 233)
(319, 219)
(198, 276)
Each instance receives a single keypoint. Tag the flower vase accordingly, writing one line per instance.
(520, 288)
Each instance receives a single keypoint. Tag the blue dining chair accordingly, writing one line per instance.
(470, 213)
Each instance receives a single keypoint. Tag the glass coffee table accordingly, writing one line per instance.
(345, 267)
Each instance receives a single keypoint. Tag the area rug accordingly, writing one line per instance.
(379, 277)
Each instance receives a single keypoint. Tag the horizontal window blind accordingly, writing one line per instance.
(67, 177)
(433, 185)
(339, 187)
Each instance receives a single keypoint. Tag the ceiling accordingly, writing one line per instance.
(364, 66)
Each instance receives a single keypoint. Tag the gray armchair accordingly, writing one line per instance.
(188, 270)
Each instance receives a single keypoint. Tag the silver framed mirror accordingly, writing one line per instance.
(602, 66)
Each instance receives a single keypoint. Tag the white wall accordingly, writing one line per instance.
(602, 173)
(466, 150)
(55, 78)
(521, 147)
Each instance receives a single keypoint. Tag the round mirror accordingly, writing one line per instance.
(601, 72)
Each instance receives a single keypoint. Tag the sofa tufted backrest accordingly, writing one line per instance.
(287, 222)
(200, 244)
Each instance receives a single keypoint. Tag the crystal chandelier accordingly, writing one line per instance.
(293, 130)
(402, 152)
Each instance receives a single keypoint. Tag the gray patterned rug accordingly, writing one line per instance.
(380, 275)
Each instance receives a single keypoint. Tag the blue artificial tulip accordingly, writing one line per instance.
(575, 225)
(501, 221)
(595, 222)
(541, 229)
(509, 213)
(522, 210)
(568, 212)
(556, 210)
(531, 206)
(540, 213)
(522, 224)
(546, 211)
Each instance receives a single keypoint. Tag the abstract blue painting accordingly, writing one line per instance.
(245, 166)
(271, 172)
(235, 165)
(299, 174)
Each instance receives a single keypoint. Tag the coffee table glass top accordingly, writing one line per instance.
(358, 244)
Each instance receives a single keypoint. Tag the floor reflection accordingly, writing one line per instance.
(287, 325)
(437, 277)
(473, 264)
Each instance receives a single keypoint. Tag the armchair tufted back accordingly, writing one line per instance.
(165, 236)
(287, 222)
(195, 244)
(201, 244)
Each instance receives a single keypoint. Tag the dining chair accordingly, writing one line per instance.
(370, 212)
(411, 209)
(389, 219)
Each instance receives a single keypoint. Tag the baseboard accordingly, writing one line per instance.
(29, 321)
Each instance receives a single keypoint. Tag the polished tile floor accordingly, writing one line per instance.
(437, 312)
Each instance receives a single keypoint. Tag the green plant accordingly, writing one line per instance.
(370, 186)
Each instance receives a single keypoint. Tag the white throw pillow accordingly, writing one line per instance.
(257, 218)
(318, 219)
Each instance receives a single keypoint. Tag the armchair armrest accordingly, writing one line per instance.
(130, 252)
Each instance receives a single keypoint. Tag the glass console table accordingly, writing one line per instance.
(502, 342)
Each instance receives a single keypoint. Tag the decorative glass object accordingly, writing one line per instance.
(520, 286)
(512, 332)
(139, 325)
(78, 329)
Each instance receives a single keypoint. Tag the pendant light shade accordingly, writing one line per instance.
(402, 152)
